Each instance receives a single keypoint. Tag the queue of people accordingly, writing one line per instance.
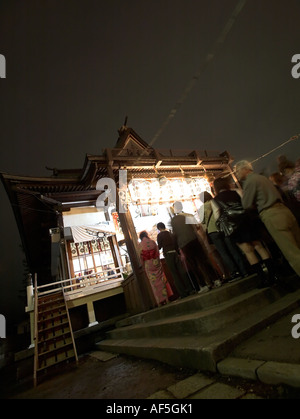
(247, 234)
(287, 183)
(261, 210)
(261, 194)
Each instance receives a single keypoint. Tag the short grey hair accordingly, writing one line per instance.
(177, 207)
(243, 164)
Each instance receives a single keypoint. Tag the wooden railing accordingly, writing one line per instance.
(35, 331)
(86, 283)
(51, 328)
(71, 330)
(72, 288)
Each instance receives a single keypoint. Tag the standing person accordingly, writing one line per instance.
(294, 182)
(213, 254)
(183, 226)
(260, 193)
(278, 181)
(227, 248)
(167, 242)
(290, 194)
(286, 169)
(247, 234)
(293, 190)
(150, 258)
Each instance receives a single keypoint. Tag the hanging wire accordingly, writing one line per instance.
(209, 57)
(294, 137)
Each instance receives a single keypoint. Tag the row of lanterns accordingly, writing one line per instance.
(165, 190)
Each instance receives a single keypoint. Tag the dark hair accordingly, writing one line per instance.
(207, 196)
(161, 225)
(221, 183)
(277, 178)
(284, 163)
(143, 234)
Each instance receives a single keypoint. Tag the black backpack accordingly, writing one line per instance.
(231, 216)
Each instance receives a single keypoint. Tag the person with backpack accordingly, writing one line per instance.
(225, 246)
(244, 229)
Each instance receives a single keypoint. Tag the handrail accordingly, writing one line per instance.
(36, 344)
(97, 279)
(35, 331)
(71, 329)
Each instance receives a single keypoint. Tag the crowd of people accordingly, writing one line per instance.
(243, 231)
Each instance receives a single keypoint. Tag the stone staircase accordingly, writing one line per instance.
(200, 330)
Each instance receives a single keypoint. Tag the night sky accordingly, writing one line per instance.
(75, 70)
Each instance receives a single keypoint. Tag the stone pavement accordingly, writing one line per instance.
(109, 376)
(264, 366)
(199, 386)
(262, 349)
(270, 357)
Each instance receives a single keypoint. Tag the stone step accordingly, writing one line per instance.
(200, 312)
(193, 303)
(204, 351)
(202, 321)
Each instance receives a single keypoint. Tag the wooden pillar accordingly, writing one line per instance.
(146, 295)
(65, 262)
(91, 314)
(30, 308)
(147, 299)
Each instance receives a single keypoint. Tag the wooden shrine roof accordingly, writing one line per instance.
(37, 201)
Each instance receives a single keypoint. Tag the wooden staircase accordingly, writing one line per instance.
(54, 340)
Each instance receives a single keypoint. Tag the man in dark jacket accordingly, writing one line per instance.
(167, 242)
(184, 229)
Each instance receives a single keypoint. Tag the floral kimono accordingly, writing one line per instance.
(154, 270)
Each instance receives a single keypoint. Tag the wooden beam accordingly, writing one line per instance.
(158, 158)
(199, 160)
(110, 159)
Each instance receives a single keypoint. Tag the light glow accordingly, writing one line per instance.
(155, 192)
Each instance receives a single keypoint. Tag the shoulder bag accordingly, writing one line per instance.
(232, 215)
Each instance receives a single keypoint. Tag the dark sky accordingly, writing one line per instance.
(75, 69)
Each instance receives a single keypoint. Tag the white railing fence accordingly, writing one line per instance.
(72, 288)
(94, 281)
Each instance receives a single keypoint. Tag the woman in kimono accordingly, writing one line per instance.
(154, 270)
